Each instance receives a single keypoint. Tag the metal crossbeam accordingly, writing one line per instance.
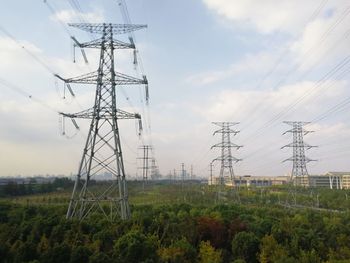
(103, 114)
(101, 28)
(95, 77)
(97, 43)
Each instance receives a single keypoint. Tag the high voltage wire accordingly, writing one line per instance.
(328, 52)
(27, 95)
(321, 82)
(308, 53)
(336, 69)
(31, 54)
(146, 113)
(338, 107)
(334, 108)
(282, 56)
(39, 61)
(277, 149)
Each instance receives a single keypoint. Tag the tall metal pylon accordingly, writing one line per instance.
(102, 152)
(226, 146)
(145, 163)
(211, 173)
(154, 169)
(299, 175)
(183, 175)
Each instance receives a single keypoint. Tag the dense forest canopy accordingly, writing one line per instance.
(173, 230)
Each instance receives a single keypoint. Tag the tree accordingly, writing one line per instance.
(59, 253)
(270, 250)
(245, 245)
(213, 230)
(43, 245)
(100, 257)
(208, 254)
(80, 254)
(136, 247)
(181, 251)
(309, 257)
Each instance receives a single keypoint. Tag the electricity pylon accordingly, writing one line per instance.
(154, 169)
(145, 163)
(103, 152)
(226, 145)
(300, 175)
(211, 173)
(183, 175)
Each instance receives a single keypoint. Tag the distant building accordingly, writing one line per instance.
(249, 180)
(27, 180)
(331, 180)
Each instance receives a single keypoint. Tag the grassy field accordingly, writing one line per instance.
(191, 192)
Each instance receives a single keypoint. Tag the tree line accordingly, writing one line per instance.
(175, 233)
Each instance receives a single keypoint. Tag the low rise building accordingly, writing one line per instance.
(249, 180)
(331, 180)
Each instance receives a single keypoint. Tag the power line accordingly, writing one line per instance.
(31, 54)
(281, 58)
(27, 95)
(307, 54)
(288, 108)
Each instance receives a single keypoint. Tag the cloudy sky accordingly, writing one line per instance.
(255, 62)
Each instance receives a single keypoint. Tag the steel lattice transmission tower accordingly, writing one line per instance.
(226, 146)
(154, 169)
(102, 152)
(145, 163)
(300, 175)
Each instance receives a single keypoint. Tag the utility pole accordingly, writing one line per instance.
(226, 159)
(174, 175)
(145, 163)
(154, 170)
(102, 151)
(182, 175)
(170, 176)
(299, 175)
(211, 173)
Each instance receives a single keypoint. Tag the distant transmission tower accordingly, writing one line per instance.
(145, 163)
(211, 173)
(300, 175)
(183, 175)
(103, 152)
(154, 169)
(226, 146)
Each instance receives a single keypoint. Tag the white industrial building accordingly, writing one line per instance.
(331, 180)
(249, 180)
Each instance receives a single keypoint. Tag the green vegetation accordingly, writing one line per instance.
(171, 223)
(12, 189)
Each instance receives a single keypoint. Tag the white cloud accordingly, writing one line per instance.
(250, 64)
(235, 104)
(69, 16)
(270, 15)
(322, 39)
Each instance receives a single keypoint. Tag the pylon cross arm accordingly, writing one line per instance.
(99, 42)
(104, 114)
(100, 28)
(92, 78)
